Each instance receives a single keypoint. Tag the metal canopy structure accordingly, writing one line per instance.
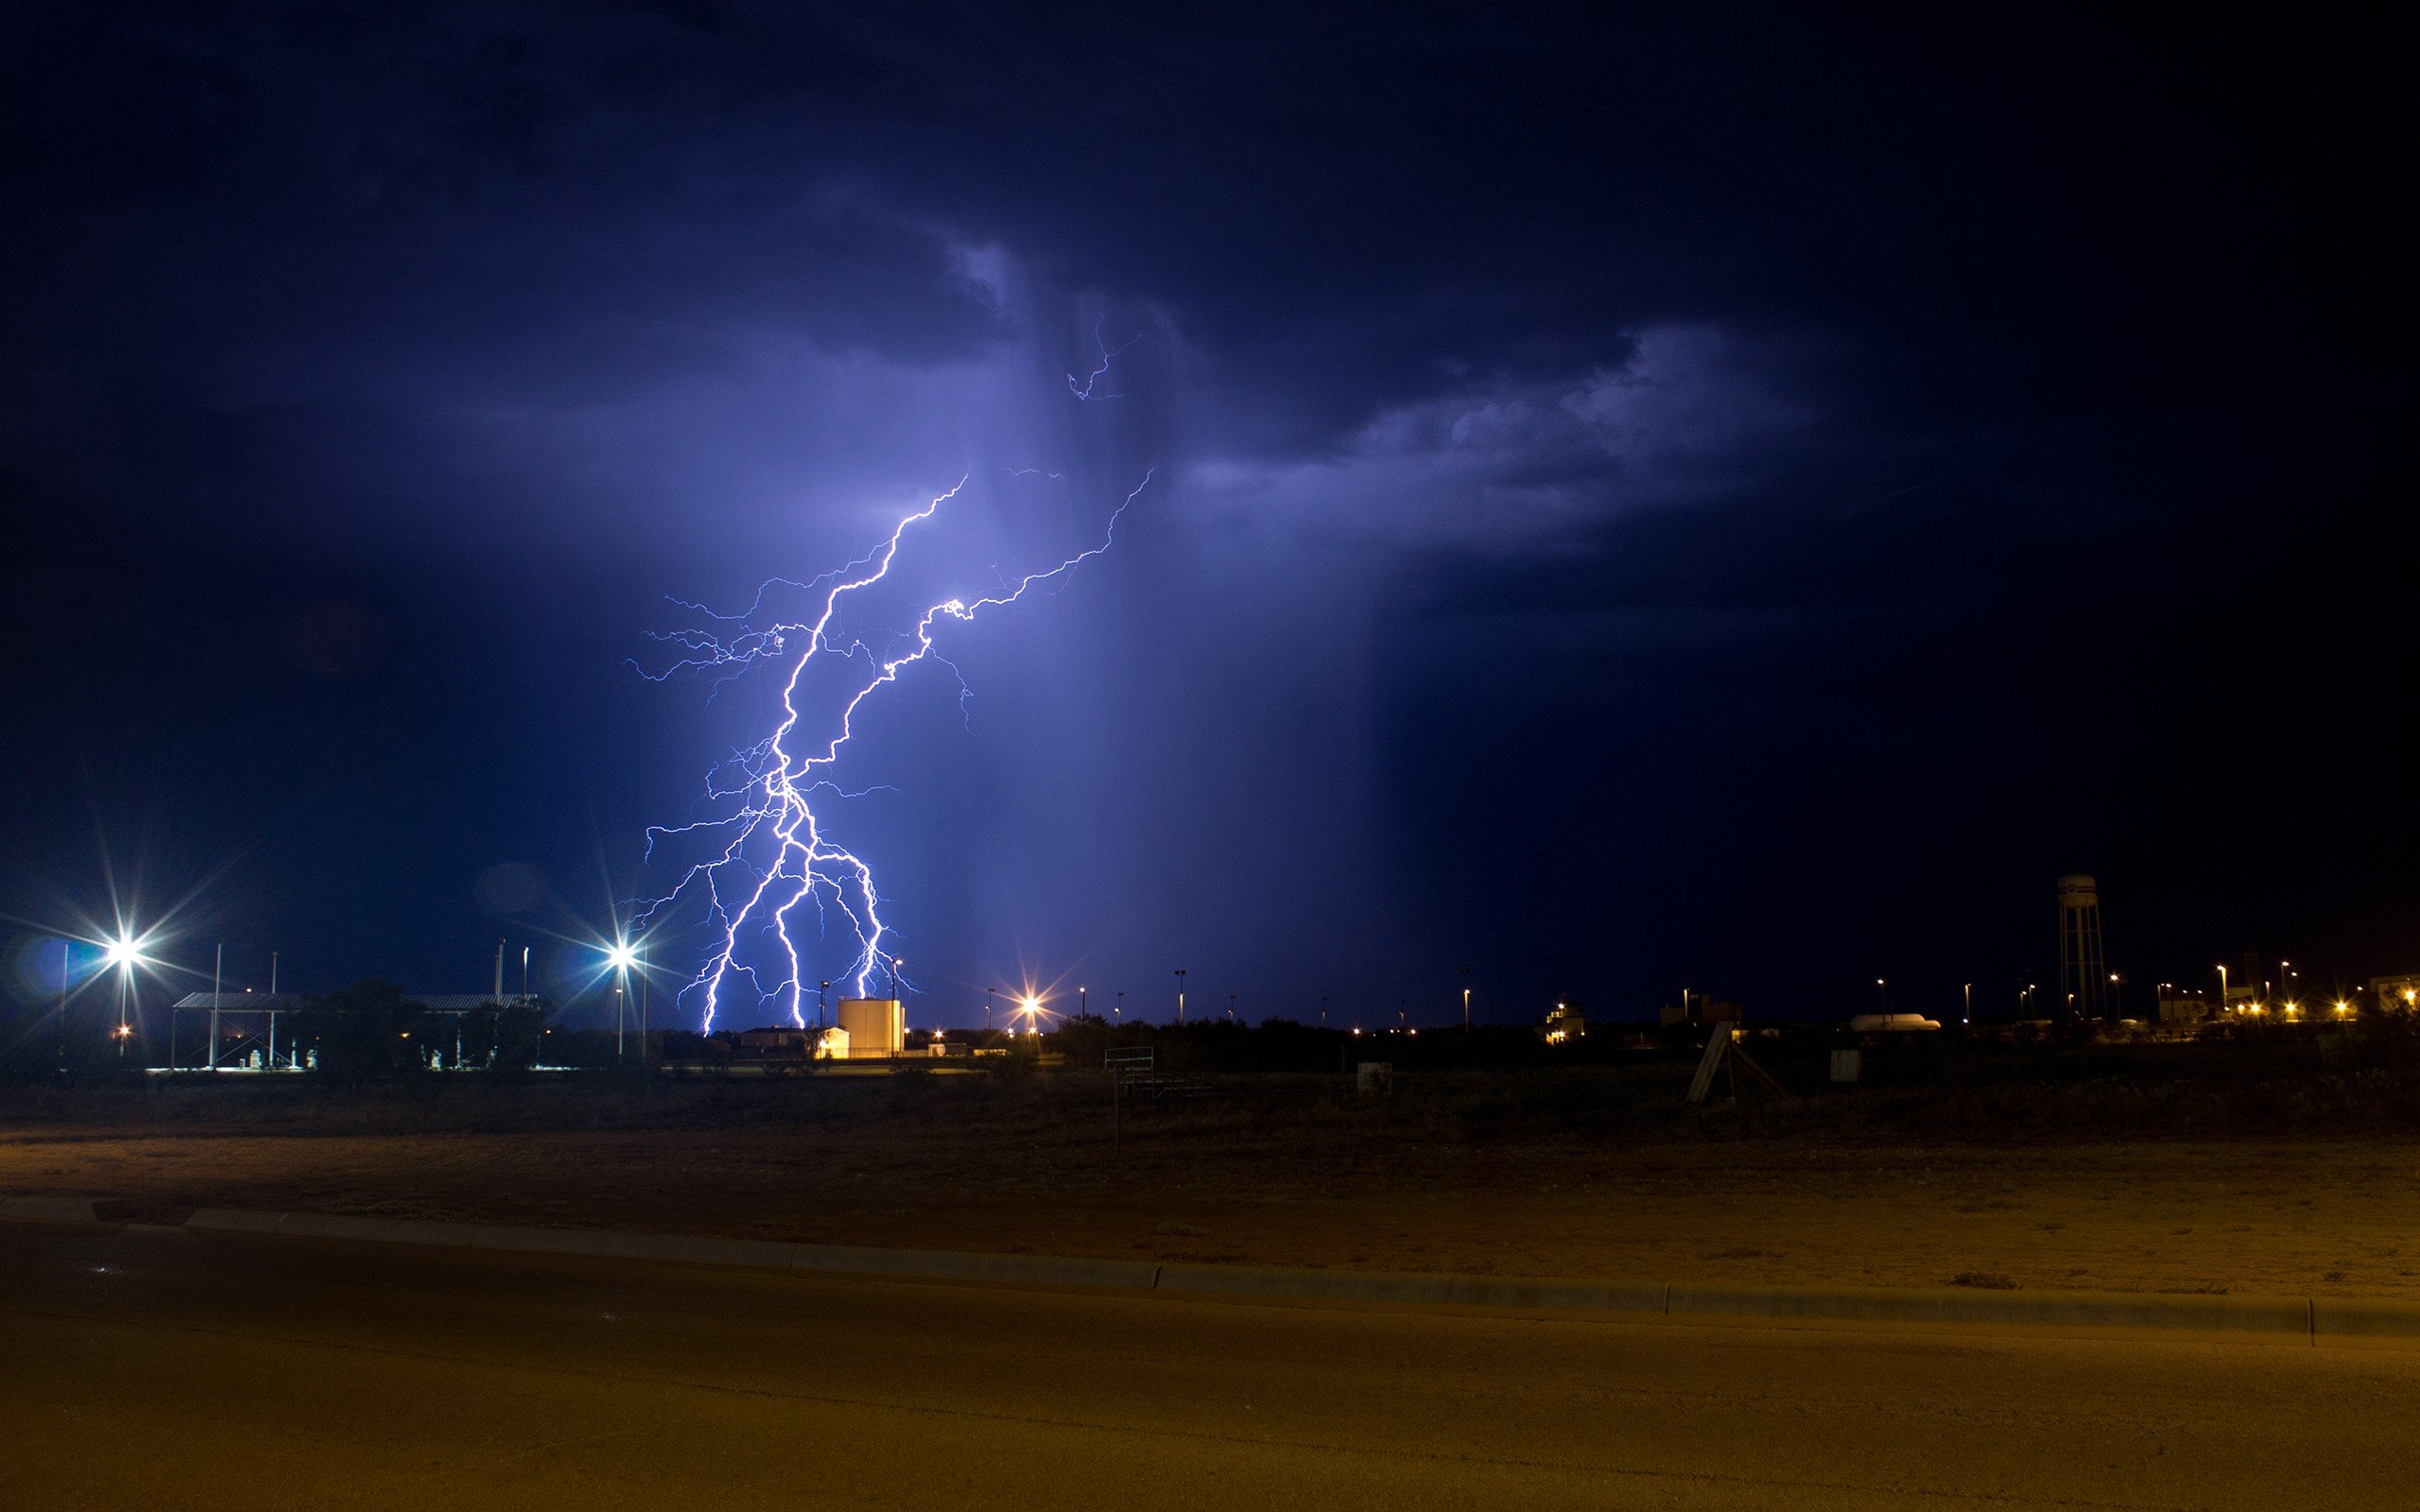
(270, 1005)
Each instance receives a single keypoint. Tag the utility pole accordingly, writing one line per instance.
(1179, 995)
(125, 996)
(990, 994)
(499, 973)
(217, 977)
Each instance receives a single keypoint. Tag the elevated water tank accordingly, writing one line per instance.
(2083, 969)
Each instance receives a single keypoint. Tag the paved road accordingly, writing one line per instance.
(158, 1368)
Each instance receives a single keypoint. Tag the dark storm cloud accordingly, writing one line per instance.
(2009, 221)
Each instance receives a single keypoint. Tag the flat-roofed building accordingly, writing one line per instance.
(2395, 992)
(1568, 1021)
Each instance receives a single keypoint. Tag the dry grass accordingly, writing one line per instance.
(1539, 1175)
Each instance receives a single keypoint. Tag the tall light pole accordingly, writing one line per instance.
(991, 995)
(1966, 1013)
(1084, 1003)
(1466, 999)
(123, 953)
(66, 967)
(620, 957)
(1179, 995)
(217, 979)
(1231, 1007)
(2222, 990)
(1121, 1005)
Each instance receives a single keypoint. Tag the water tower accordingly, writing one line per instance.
(2083, 972)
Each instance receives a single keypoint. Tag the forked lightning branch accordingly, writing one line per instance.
(774, 880)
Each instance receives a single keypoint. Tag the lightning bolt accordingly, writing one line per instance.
(1107, 355)
(774, 856)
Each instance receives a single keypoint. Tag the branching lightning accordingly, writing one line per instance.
(773, 854)
(1109, 355)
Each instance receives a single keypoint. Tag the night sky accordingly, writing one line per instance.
(1639, 497)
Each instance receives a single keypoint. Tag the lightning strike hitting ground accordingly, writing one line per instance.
(775, 855)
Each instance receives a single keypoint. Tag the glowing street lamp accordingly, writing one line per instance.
(125, 951)
(620, 957)
(1031, 1006)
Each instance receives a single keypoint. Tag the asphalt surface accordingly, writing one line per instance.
(160, 1367)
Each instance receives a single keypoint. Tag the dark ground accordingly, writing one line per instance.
(2105, 1185)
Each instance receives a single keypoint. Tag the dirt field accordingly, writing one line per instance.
(1303, 1176)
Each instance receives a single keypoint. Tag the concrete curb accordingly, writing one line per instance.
(940, 1264)
(63, 1209)
(1412, 1286)
(763, 1254)
(2308, 1317)
(2101, 1309)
